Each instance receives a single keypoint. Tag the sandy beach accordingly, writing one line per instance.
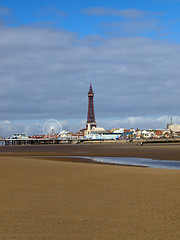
(70, 199)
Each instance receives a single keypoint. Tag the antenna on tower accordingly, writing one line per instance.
(171, 121)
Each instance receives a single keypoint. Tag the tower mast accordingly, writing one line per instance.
(91, 122)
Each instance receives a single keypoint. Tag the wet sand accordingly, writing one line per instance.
(69, 199)
(166, 151)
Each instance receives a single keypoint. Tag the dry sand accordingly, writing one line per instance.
(67, 200)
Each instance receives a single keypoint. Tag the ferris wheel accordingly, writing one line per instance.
(52, 128)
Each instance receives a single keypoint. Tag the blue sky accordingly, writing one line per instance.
(52, 49)
(79, 17)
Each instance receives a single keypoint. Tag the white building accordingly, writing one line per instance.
(147, 133)
(94, 130)
(19, 135)
(120, 130)
(173, 127)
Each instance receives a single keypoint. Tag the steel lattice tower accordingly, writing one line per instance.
(91, 116)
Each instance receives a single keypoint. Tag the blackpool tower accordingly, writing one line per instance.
(90, 116)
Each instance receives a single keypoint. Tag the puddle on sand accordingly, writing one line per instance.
(132, 161)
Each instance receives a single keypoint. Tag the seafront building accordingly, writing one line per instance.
(173, 127)
(19, 135)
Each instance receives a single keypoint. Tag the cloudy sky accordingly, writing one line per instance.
(51, 50)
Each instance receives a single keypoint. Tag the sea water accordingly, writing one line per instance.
(142, 162)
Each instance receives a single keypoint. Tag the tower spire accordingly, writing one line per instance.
(90, 116)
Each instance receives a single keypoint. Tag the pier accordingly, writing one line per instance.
(32, 141)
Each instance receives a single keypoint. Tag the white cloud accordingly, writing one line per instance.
(35, 127)
(139, 122)
(125, 13)
(8, 128)
(51, 10)
(131, 22)
(45, 73)
(134, 27)
(4, 11)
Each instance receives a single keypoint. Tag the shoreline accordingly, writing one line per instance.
(153, 151)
